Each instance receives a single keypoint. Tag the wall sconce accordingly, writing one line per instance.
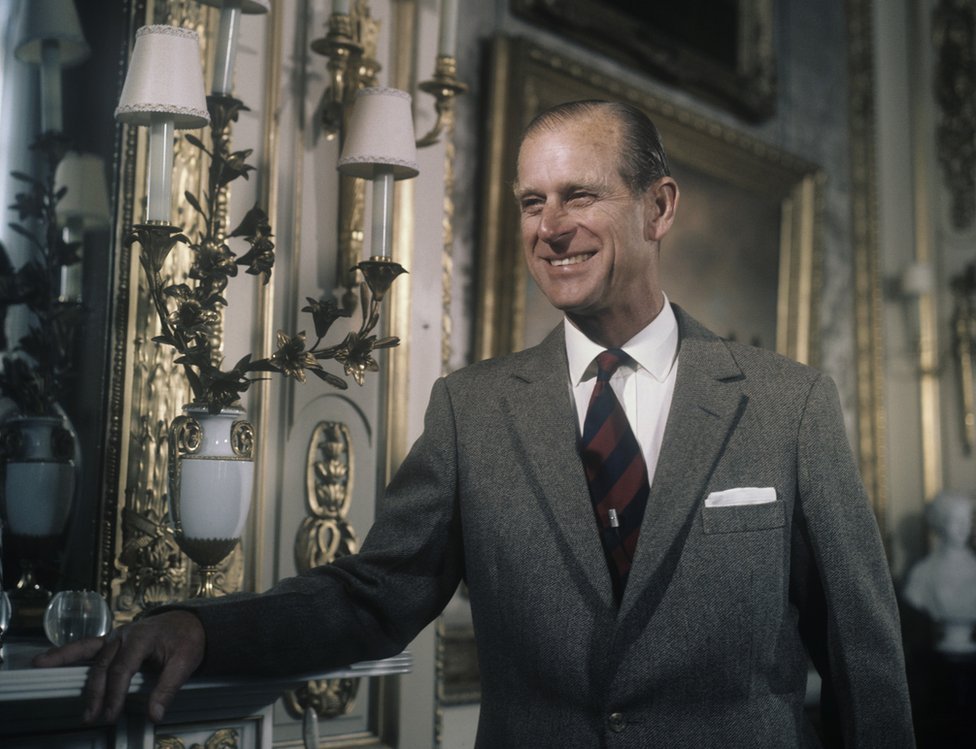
(50, 36)
(915, 281)
(444, 86)
(380, 147)
(345, 44)
(82, 208)
(349, 45)
(349, 70)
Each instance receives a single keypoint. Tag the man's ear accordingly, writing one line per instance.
(661, 205)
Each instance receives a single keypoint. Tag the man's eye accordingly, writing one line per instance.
(531, 205)
(580, 197)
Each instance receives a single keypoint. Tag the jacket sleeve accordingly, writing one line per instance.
(364, 606)
(842, 587)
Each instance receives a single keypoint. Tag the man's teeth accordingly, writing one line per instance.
(571, 260)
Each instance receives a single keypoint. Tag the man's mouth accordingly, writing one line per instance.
(571, 260)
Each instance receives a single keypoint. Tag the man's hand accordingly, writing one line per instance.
(173, 642)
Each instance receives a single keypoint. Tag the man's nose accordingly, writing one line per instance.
(555, 224)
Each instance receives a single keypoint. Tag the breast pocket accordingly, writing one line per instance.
(741, 518)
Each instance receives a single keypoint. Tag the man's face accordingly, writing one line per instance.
(585, 236)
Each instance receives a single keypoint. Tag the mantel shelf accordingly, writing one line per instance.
(53, 695)
(20, 682)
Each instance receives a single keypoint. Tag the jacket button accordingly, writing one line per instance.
(617, 722)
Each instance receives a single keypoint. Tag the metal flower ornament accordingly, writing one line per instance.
(190, 313)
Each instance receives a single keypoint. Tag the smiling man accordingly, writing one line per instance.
(595, 201)
(659, 529)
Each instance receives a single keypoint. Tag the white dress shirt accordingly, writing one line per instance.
(645, 392)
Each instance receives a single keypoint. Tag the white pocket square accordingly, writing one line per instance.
(745, 495)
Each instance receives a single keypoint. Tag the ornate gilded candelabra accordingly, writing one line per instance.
(208, 524)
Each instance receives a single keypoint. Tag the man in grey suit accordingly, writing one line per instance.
(655, 539)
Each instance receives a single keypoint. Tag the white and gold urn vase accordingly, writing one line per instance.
(211, 471)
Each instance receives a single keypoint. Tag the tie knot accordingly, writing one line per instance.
(607, 362)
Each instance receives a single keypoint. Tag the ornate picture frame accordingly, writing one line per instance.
(721, 50)
(773, 198)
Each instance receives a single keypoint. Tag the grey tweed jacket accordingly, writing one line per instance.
(724, 606)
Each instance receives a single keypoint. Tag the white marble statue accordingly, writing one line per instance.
(943, 583)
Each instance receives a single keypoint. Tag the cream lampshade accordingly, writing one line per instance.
(163, 90)
(85, 202)
(51, 20)
(380, 146)
(50, 36)
(165, 78)
(82, 208)
(380, 136)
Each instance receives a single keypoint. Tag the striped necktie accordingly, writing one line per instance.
(615, 471)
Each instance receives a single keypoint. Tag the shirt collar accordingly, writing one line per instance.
(654, 347)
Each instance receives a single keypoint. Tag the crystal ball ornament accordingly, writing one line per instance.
(76, 614)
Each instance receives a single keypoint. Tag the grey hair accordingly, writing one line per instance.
(642, 159)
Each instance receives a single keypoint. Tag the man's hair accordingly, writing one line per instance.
(641, 160)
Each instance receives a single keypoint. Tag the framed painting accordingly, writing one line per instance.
(742, 257)
(721, 50)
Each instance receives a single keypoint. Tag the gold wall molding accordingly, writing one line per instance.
(868, 312)
(323, 536)
(447, 234)
(929, 325)
(447, 280)
(393, 423)
(954, 39)
(224, 738)
(112, 500)
(262, 342)
(963, 288)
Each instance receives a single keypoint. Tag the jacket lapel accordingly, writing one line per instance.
(705, 408)
(544, 420)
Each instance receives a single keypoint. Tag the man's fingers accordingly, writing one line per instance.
(170, 681)
(70, 654)
(133, 651)
(180, 656)
(174, 641)
(94, 691)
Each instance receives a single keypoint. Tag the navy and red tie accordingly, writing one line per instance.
(615, 471)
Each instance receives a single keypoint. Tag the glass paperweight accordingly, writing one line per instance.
(76, 614)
